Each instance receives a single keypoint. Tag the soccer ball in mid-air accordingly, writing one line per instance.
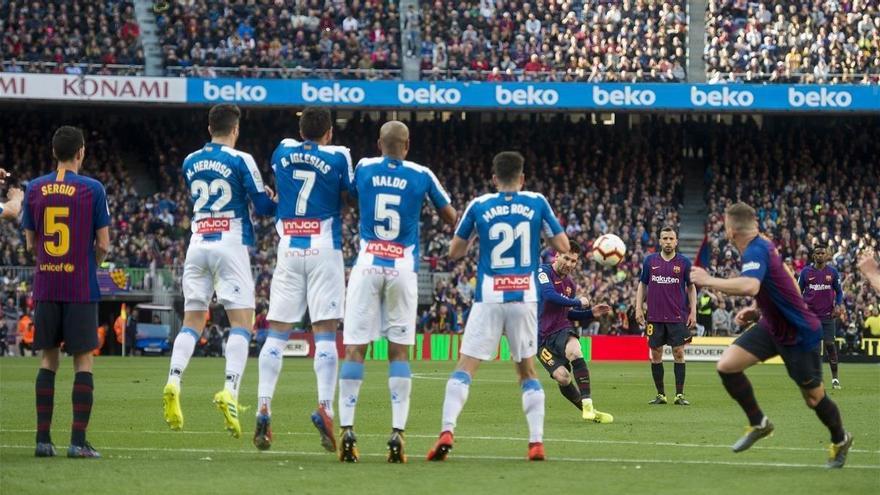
(609, 250)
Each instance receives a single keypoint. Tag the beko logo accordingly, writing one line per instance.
(336, 93)
(234, 92)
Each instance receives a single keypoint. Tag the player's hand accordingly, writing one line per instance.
(584, 302)
(600, 309)
(746, 316)
(692, 320)
(15, 194)
(640, 317)
(699, 276)
(868, 264)
(3, 175)
(270, 193)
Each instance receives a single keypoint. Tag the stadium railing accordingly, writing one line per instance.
(86, 68)
(281, 73)
(792, 78)
(520, 75)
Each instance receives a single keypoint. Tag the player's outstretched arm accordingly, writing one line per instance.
(458, 247)
(12, 207)
(448, 214)
(739, 286)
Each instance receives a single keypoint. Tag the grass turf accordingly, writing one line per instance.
(653, 449)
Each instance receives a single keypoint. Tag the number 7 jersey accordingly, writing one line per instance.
(509, 225)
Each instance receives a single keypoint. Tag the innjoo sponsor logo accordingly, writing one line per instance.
(301, 226)
(511, 282)
(385, 249)
(212, 225)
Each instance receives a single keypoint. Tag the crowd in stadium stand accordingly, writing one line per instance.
(793, 41)
(807, 184)
(70, 37)
(590, 41)
(627, 181)
(349, 39)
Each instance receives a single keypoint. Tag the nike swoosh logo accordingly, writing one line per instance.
(654, 267)
(812, 278)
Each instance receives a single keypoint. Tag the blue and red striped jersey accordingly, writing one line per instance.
(65, 210)
(783, 310)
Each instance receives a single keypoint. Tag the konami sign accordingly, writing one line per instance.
(93, 88)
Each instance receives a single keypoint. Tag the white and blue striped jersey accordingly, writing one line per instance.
(509, 225)
(220, 180)
(310, 178)
(390, 195)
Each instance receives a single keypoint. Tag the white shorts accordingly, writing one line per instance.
(221, 267)
(381, 302)
(487, 321)
(312, 278)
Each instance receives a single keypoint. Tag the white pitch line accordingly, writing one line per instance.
(480, 457)
(487, 438)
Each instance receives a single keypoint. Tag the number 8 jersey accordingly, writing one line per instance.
(509, 225)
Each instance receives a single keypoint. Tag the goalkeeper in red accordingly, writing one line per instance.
(560, 348)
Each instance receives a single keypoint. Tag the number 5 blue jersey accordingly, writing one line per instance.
(390, 196)
(221, 179)
(310, 178)
(509, 225)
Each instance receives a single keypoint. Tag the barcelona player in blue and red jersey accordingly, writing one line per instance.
(66, 222)
(785, 327)
(820, 285)
(559, 344)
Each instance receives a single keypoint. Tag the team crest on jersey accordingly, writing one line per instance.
(212, 225)
(828, 278)
(301, 227)
(385, 249)
(511, 282)
(676, 269)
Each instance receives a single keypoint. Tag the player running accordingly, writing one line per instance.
(509, 225)
(820, 285)
(786, 328)
(312, 179)
(66, 222)
(383, 290)
(221, 179)
(672, 311)
(559, 343)
(12, 207)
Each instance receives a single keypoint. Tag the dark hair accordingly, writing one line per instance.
(575, 249)
(314, 123)
(820, 245)
(223, 118)
(66, 142)
(508, 166)
(668, 228)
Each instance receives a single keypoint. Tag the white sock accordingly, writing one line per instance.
(236, 358)
(457, 389)
(326, 357)
(271, 361)
(184, 345)
(533, 406)
(351, 375)
(400, 386)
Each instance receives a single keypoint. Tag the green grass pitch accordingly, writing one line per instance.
(648, 449)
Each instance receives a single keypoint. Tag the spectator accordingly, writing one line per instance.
(131, 332)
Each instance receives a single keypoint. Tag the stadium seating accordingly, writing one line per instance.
(807, 183)
(346, 40)
(595, 41)
(70, 37)
(793, 41)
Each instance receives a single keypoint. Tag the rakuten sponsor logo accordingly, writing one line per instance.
(234, 92)
(823, 98)
(820, 287)
(624, 97)
(721, 98)
(529, 96)
(336, 93)
(432, 95)
(385, 249)
(511, 282)
(659, 279)
(212, 225)
(301, 227)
